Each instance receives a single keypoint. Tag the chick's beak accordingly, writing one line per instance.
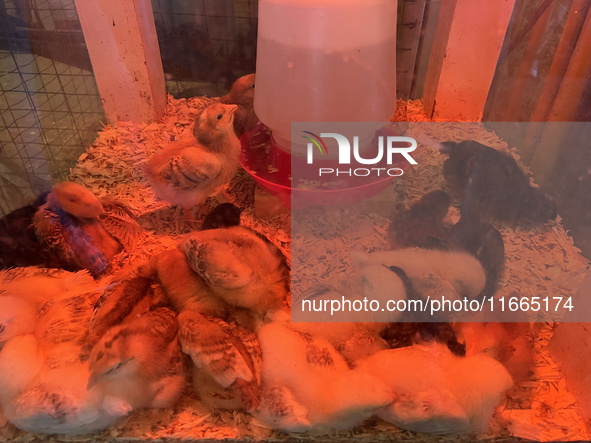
(91, 382)
(231, 109)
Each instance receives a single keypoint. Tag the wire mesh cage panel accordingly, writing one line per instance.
(49, 101)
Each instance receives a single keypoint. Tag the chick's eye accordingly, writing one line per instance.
(220, 116)
(252, 86)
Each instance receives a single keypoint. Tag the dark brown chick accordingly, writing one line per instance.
(75, 226)
(491, 184)
(242, 94)
(484, 242)
(422, 224)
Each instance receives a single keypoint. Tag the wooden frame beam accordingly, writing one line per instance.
(467, 45)
(123, 48)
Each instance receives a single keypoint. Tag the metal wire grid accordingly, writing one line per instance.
(205, 44)
(50, 111)
(223, 24)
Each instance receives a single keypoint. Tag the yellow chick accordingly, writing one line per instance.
(62, 328)
(188, 172)
(17, 317)
(354, 334)
(242, 94)
(434, 273)
(307, 385)
(47, 393)
(140, 361)
(39, 285)
(57, 402)
(509, 343)
(28, 292)
(20, 362)
(238, 267)
(437, 392)
(73, 223)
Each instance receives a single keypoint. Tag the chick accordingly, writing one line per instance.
(57, 402)
(75, 226)
(227, 359)
(38, 285)
(225, 215)
(140, 361)
(20, 362)
(17, 317)
(120, 222)
(353, 340)
(434, 273)
(422, 224)
(437, 392)
(186, 173)
(238, 267)
(307, 385)
(227, 379)
(353, 333)
(17, 224)
(49, 393)
(184, 288)
(21, 252)
(509, 343)
(491, 184)
(484, 242)
(115, 305)
(19, 246)
(375, 282)
(242, 94)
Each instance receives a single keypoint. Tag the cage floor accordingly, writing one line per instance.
(541, 260)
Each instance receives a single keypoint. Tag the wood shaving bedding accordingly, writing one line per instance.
(542, 260)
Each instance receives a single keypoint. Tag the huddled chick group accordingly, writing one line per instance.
(80, 354)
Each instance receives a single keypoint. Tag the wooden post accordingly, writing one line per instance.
(567, 43)
(464, 57)
(123, 48)
(524, 72)
(565, 107)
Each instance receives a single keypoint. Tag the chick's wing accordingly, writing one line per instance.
(218, 263)
(49, 231)
(121, 223)
(191, 168)
(214, 349)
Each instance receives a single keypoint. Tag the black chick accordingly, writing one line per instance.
(19, 246)
(491, 184)
(485, 243)
(225, 215)
(21, 252)
(401, 334)
(422, 224)
(17, 224)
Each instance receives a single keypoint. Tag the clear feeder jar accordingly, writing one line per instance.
(324, 61)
